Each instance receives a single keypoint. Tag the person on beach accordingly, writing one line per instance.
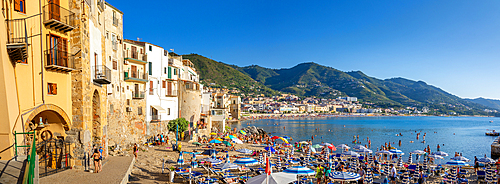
(438, 147)
(135, 150)
(393, 174)
(96, 157)
(476, 163)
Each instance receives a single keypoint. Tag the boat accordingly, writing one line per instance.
(492, 133)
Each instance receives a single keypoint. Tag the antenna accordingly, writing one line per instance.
(139, 39)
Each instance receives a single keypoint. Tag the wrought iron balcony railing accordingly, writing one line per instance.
(58, 18)
(59, 60)
(17, 40)
(102, 74)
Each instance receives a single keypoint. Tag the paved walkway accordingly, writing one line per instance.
(11, 171)
(115, 170)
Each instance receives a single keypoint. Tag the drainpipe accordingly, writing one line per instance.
(41, 50)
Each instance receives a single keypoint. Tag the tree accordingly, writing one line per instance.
(183, 125)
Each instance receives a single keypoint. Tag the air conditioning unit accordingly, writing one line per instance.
(129, 109)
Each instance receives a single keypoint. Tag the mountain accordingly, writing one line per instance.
(218, 74)
(312, 79)
(495, 104)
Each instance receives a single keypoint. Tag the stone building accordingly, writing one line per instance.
(235, 107)
(189, 95)
(89, 82)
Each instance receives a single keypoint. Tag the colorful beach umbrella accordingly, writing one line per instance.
(213, 133)
(406, 178)
(212, 160)
(344, 176)
(243, 132)
(332, 147)
(435, 157)
(215, 141)
(275, 137)
(456, 163)
(396, 151)
(299, 170)
(267, 148)
(226, 143)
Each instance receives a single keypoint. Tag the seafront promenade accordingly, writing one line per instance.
(116, 169)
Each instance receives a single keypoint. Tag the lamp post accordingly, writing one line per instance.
(176, 134)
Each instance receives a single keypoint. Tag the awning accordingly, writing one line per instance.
(159, 108)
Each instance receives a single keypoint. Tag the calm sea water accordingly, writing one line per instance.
(458, 134)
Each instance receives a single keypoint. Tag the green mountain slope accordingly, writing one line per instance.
(223, 75)
(495, 104)
(256, 72)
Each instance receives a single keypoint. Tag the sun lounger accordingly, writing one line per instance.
(481, 175)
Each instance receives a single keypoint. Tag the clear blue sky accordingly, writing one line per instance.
(454, 45)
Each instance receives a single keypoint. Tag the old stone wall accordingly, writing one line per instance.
(126, 128)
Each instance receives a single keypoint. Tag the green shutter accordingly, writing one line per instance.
(150, 68)
(175, 71)
(170, 72)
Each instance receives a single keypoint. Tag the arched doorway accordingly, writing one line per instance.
(96, 118)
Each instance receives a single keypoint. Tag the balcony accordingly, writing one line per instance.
(102, 74)
(155, 118)
(171, 93)
(135, 77)
(137, 95)
(58, 18)
(17, 41)
(59, 60)
(135, 57)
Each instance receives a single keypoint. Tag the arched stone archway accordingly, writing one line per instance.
(56, 111)
(96, 118)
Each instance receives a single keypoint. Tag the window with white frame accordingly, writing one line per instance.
(114, 42)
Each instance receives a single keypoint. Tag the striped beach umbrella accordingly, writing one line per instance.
(410, 158)
(278, 162)
(261, 158)
(416, 173)
(425, 163)
(194, 163)
(460, 158)
(370, 158)
(299, 170)
(396, 151)
(406, 178)
(368, 176)
(308, 157)
(440, 153)
(489, 174)
(269, 154)
(386, 169)
(344, 176)
(180, 160)
(400, 162)
(456, 163)
(486, 160)
(245, 161)
(288, 155)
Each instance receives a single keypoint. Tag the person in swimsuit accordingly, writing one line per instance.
(96, 157)
(135, 150)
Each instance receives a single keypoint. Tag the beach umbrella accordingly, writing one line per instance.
(215, 141)
(344, 176)
(351, 153)
(326, 144)
(261, 159)
(400, 162)
(226, 166)
(180, 160)
(288, 155)
(316, 146)
(275, 137)
(461, 158)
(370, 158)
(416, 173)
(364, 150)
(357, 147)
(440, 153)
(267, 148)
(286, 137)
(410, 159)
(383, 152)
(299, 170)
(435, 157)
(194, 163)
(244, 150)
(368, 176)
(209, 152)
(386, 169)
(343, 146)
(456, 163)
(245, 161)
(425, 164)
(333, 148)
(417, 152)
(237, 141)
(284, 140)
(278, 162)
(273, 178)
(327, 153)
(213, 133)
(308, 157)
(212, 160)
(303, 142)
(486, 160)
(396, 151)
(406, 178)
(354, 166)
(226, 143)
(196, 143)
(243, 132)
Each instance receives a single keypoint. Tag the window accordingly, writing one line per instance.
(99, 17)
(52, 88)
(114, 42)
(139, 110)
(128, 101)
(168, 111)
(151, 87)
(20, 6)
(164, 70)
(110, 108)
(124, 46)
(163, 84)
(115, 65)
(175, 71)
(150, 68)
(150, 48)
(115, 19)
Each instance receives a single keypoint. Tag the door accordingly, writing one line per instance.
(169, 88)
(137, 94)
(134, 71)
(134, 52)
(54, 10)
(150, 87)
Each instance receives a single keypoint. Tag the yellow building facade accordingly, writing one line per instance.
(35, 74)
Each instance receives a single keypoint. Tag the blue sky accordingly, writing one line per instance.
(454, 45)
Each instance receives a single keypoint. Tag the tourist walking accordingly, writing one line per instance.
(135, 150)
(393, 174)
(319, 173)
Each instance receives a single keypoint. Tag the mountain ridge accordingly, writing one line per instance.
(312, 79)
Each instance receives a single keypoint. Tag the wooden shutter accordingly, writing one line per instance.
(64, 51)
(163, 84)
(54, 89)
(17, 5)
(169, 88)
(150, 86)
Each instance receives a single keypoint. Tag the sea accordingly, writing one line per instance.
(465, 135)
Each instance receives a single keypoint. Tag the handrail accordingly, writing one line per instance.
(29, 175)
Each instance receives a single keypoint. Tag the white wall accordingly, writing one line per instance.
(95, 47)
